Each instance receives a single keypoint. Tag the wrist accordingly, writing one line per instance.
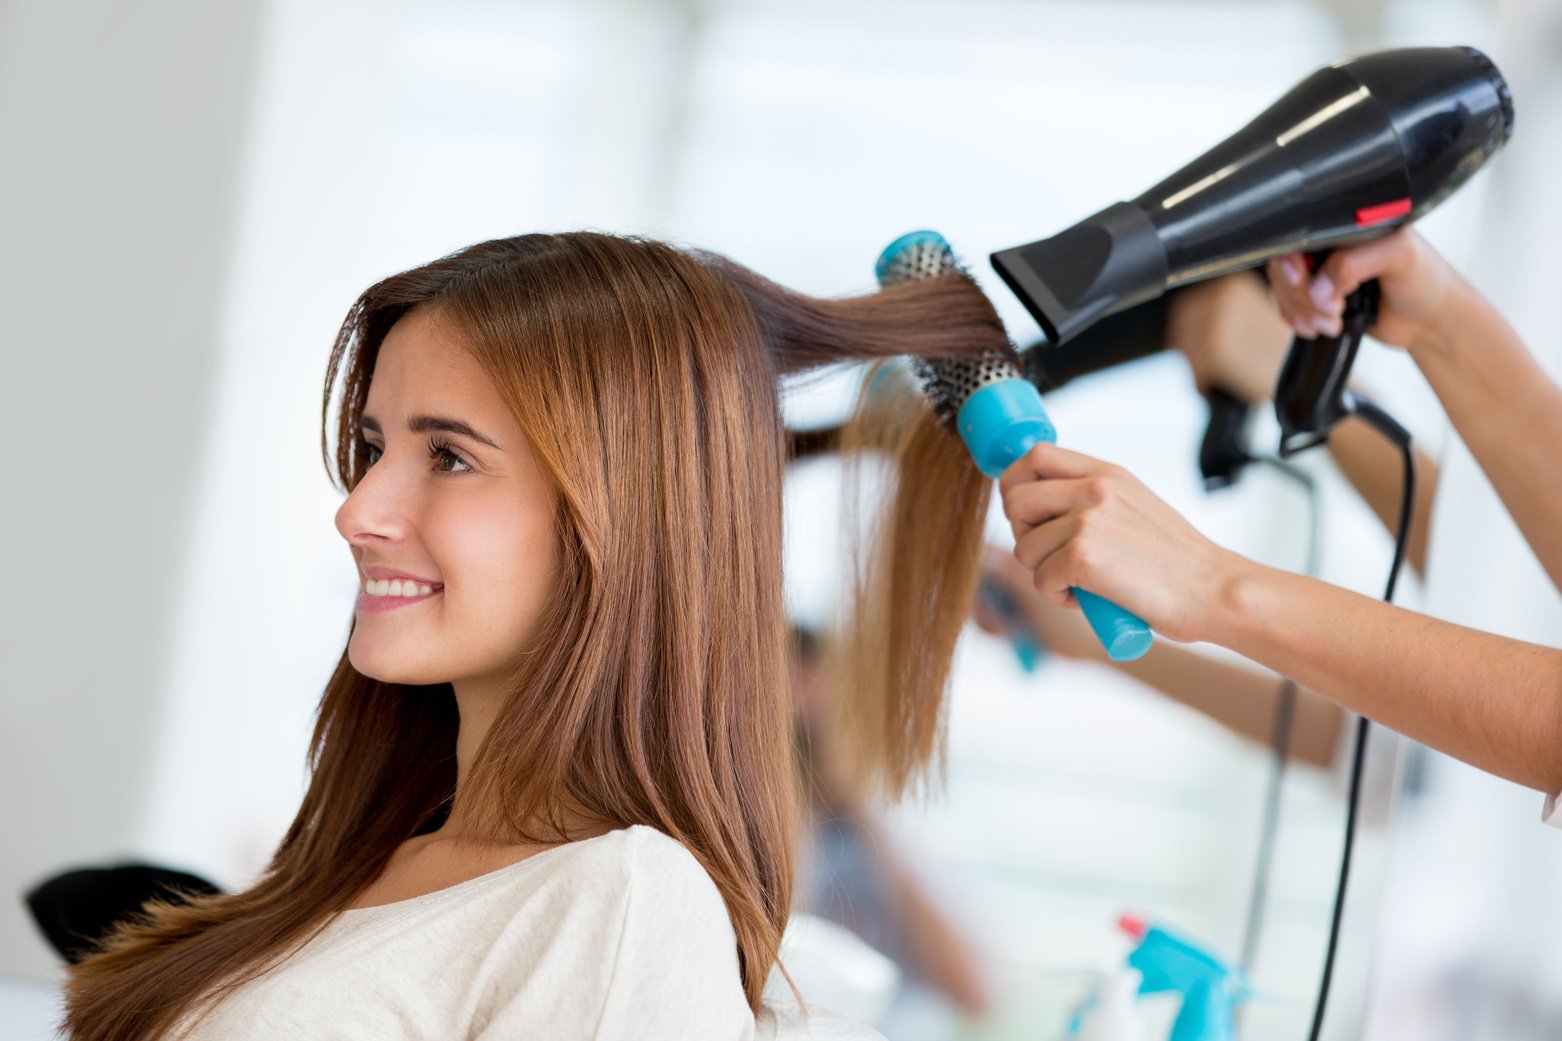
(1235, 601)
(1445, 339)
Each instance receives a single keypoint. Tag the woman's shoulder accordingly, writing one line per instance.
(639, 857)
(646, 898)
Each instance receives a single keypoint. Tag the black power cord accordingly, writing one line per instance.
(1391, 429)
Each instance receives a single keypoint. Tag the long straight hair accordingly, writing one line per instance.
(654, 691)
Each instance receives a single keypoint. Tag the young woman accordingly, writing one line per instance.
(552, 791)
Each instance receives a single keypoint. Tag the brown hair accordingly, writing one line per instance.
(655, 692)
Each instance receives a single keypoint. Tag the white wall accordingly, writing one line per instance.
(123, 128)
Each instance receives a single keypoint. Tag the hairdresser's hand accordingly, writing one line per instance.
(1231, 335)
(1422, 293)
(1080, 522)
(1059, 631)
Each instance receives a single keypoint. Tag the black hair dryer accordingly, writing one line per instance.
(1352, 152)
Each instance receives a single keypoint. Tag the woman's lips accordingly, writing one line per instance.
(381, 604)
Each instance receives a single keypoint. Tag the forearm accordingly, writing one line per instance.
(1240, 698)
(1493, 702)
(1372, 465)
(1509, 413)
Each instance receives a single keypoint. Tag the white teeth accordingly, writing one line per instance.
(396, 587)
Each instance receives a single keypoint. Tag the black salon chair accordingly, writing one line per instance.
(77, 909)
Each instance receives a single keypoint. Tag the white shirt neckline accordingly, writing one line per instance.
(427, 899)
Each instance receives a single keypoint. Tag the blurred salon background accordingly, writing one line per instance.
(192, 194)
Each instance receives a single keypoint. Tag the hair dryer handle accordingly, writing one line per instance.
(1310, 394)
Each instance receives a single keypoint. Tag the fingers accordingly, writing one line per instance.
(1048, 461)
(1047, 553)
(1037, 502)
(1293, 293)
(1052, 497)
(1346, 269)
(1314, 303)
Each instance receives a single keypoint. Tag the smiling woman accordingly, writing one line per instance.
(551, 783)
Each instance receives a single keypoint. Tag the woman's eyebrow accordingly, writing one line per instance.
(429, 424)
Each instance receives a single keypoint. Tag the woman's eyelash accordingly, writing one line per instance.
(438, 449)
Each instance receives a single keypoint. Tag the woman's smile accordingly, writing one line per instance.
(373, 603)
(385, 590)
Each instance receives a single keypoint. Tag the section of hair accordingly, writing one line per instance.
(943, 317)
(915, 536)
(915, 507)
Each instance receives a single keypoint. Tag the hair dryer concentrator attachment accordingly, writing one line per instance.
(1223, 452)
(1350, 153)
(999, 415)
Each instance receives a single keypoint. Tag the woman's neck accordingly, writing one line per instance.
(477, 706)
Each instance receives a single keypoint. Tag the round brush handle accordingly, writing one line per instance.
(1124, 634)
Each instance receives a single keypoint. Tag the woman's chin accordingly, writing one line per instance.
(390, 668)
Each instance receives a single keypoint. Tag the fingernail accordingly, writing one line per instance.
(1291, 269)
(1305, 328)
(1331, 326)
(1322, 290)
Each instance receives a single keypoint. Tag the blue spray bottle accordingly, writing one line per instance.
(1210, 989)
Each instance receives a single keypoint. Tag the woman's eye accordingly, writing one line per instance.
(441, 452)
(446, 458)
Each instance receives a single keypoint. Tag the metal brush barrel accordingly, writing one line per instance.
(988, 401)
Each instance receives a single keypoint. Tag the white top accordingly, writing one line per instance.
(619, 936)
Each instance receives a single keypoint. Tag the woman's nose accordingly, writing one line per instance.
(375, 511)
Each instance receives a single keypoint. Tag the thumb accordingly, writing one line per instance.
(1047, 461)
(1348, 267)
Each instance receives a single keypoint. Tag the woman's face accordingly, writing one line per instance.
(454, 508)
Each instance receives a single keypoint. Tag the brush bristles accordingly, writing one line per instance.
(947, 385)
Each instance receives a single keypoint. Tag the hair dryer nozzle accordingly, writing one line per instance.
(1103, 264)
